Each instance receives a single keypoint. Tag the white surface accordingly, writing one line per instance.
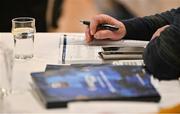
(47, 51)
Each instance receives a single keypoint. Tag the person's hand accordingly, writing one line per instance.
(158, 32)
(92, 32)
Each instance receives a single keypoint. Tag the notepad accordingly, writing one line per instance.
(119, 53)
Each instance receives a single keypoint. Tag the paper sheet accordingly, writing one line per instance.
(78, 51)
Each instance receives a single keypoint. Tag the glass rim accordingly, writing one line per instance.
(23, 19)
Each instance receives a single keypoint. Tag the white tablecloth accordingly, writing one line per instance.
(48, 51)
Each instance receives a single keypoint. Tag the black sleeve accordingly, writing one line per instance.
(162, 55)
(143, 28)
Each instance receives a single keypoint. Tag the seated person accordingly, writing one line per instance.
(162, 54)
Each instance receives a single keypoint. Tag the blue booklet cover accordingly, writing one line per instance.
(100, 82)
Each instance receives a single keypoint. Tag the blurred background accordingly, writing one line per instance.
(64, 15)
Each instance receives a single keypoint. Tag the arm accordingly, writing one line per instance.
(137, 28)
(162, 54)
(144, 28)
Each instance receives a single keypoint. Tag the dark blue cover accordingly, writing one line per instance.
(103, 82)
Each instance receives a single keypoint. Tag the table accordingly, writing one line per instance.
(47, 51)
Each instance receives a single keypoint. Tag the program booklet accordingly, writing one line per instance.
(121, 53)
(56, 88)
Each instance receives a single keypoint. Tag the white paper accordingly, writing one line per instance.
(113, 107)
(78, 51)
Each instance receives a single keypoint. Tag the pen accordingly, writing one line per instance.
(102, 26)
(64, 49)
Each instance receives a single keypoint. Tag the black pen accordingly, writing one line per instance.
(64, 49)
(102, 26)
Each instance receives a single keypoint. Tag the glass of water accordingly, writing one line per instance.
(23, 30)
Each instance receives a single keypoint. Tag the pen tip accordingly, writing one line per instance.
(85, 22)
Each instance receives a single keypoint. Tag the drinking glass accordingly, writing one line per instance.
(23, 30)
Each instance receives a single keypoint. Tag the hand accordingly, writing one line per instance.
(92, 32)
(158, 32)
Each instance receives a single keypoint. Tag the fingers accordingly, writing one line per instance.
(155, 35)
(165, 27)
(88, 36)
(92, 31)
(158, 32)
(94, 23)
(105, 34)
(99, 19)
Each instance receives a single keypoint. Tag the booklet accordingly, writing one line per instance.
(56, 88)
(121, 53)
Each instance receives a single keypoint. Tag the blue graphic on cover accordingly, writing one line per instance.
(104, 82)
